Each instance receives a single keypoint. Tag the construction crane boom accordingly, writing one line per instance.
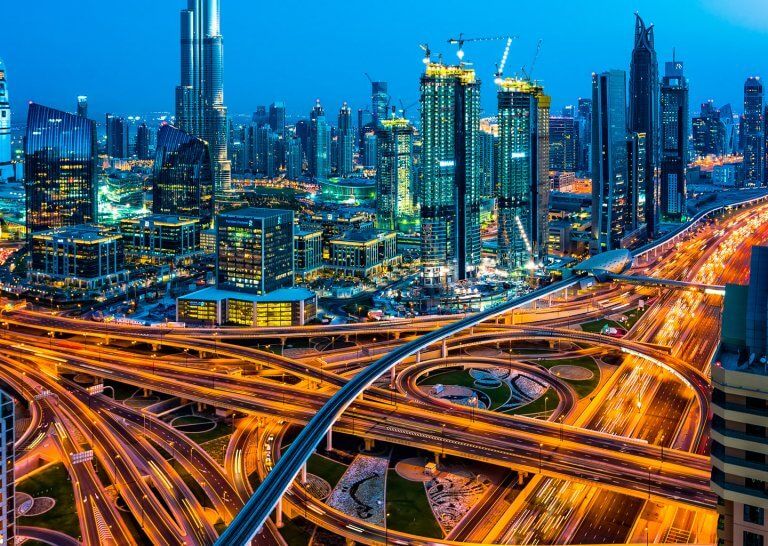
(529, 74)
(461, 40)
(500, 67)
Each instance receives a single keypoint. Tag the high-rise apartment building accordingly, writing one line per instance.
(379, 102)
(117, 136)
(644, 114)
(294, 159)
(753, 132)
(6, 167)
(255, 250)
(200, 108)
(709, 133)
(277, 118)
(739, 431)
(523, 175)
(609, 160)
(60, 169)
(183, 176)
(395, 201)
(673, 141)
(584, 117)
(345, 141)
(563, 143)
(488, 143)
(450, 185)
(634, 215)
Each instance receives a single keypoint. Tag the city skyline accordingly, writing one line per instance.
(252, 80)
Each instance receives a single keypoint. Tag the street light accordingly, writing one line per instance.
(540, 465)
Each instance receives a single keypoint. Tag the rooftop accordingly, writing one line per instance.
(281, 295)
(254, 212)
(362, 235)
(84, 233)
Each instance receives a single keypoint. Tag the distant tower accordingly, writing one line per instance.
(379, 101)
(319, 143)
(7, 479)
(450, 186)
(142, 141)
(584, 116)
(59, 169)
(345, 141)
(82, 106)
(277, 118)
(117, 136)
(6, 167)
(674, 140)
(609, 160)
(200, 108)
(753, 132)
(523, 176)
(644, 113)
(395, 203)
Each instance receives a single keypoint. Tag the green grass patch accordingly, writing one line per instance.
(596, 326)
(633, 316)
(408, 508)
(328, 469)
(498, 395)
(296, 534)
(52, 482)
(538, 405)
(582, 388)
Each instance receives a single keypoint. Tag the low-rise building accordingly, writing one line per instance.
(363, 253)
(208, 241)
(83, 257)
(160, 239)
(283, 307)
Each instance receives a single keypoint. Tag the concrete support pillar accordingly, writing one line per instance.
(329, 440)
(106, 340)
(369, 443)
(397, 334)
(437, 458)
(304, 474)
(392, 375)
(346, 338)
(418, 357)
(279, 513)
(146, 393)
(201, 353)
(155, 347)
(444, 349)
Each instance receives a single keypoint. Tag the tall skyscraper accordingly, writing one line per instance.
(345, 141)
(395, 203)
(644, 114)
(82, 106)
(255, 250)
(450, 192)
(7, 478)
(709, 132)
(488, 144)
(117, 136)
(183, 176)
(673, 140)
(564, 143)
(60, 169)
(142, 141)
(294, 159)
(6, 167)
(266, 143)
(523, 176)
(319, 143)
(277, 118)
(753, 132)
(609, 160)
(634, 215)
(200, 109)
(584, 117)
(379, 102)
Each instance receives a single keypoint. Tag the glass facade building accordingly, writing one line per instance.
(395, 200)
(644, 113)
(60, 169)
(255, 250)
(158, 239)
(319, 143)
(7, 478)
(450, 184)
(6, 167)
(522, 190)
(564, 144)
(674, 141)
(183, 178)
(753, 132)
(609, 160)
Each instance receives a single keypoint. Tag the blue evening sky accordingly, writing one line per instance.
(124, 55)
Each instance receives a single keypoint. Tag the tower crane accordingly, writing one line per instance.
(461, 40)
(529, 74)
(427, 53)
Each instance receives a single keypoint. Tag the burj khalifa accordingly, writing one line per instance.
(200, 108)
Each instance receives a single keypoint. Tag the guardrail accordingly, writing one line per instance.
(259, 507)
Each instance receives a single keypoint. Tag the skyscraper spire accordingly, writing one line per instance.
(200, 108)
